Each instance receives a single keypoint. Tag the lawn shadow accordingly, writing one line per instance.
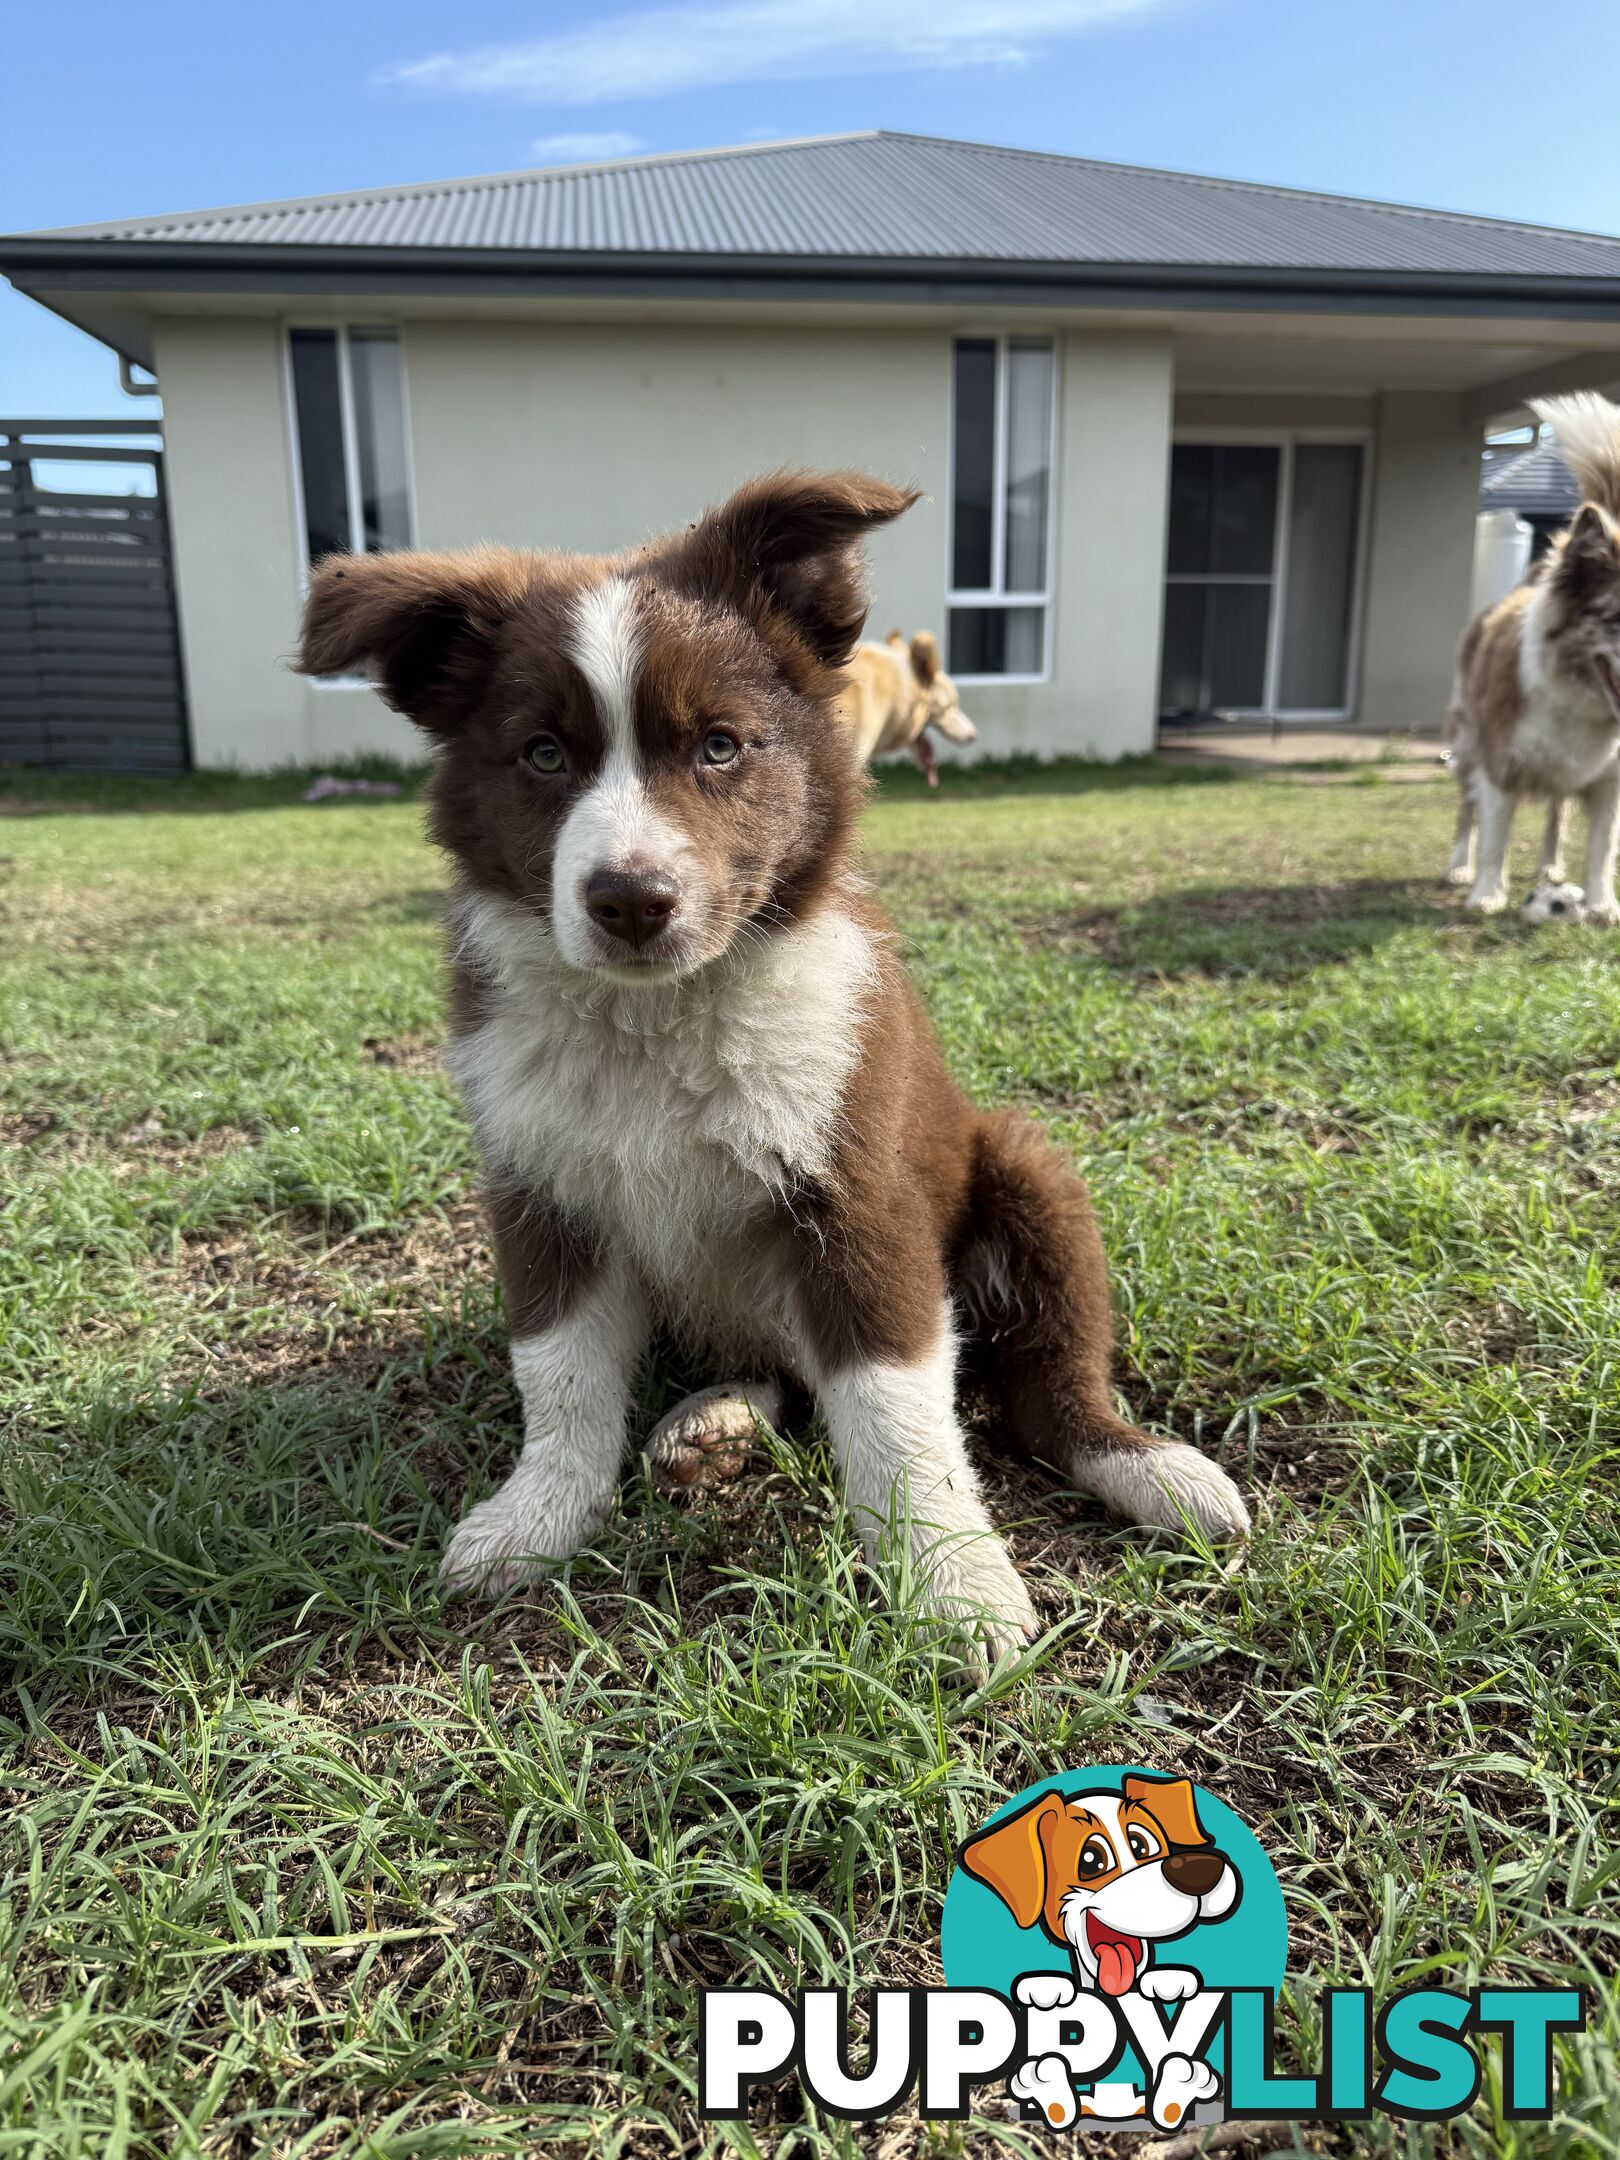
(899, 781)
(1269, 930)
(289, 1523)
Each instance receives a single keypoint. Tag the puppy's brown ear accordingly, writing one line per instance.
(425, 625)
(1590, 555)
(1011, 1858)
(787, 545)
(924, 657)
(1173, 1806)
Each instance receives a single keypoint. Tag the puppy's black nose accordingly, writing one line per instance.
(1194, 1873)
(634, 905)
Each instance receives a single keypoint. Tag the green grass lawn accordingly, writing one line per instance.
(297, 1858)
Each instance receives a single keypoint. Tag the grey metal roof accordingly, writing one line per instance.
(1536, 483)
(880, 197)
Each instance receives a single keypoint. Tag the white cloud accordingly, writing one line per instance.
(695, 45)
(581, 149)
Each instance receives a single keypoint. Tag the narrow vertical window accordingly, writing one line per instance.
(379, 427)
(973, 500)
(349, 413)
(1001, 505)
(321, 464)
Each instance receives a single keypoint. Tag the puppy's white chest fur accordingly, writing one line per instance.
(672, 1117)
(1566, 735)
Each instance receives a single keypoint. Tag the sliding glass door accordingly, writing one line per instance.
(1260, 583)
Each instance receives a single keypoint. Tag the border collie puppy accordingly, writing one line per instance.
(705, 1093)
(1535, 709)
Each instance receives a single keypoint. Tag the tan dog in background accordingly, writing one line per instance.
(895, 693)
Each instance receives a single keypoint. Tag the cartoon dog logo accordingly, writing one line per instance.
(1109, 1876)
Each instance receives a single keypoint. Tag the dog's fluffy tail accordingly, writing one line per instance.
(1588, 431)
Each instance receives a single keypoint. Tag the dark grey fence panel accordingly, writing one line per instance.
(90, 674)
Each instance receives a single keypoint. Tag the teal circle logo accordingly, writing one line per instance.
(1126, 1884)
(1050, 1883)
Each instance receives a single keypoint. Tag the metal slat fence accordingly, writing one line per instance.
(90, 674)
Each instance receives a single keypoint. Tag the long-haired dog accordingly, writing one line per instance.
(1535, 706)
(705, 1093)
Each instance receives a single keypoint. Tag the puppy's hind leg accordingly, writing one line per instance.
(704, 1441)
(1460, 868)
(1460, 757)
(1496, 808)
(1602, 801)
(1550, 867)
(1032, 1280)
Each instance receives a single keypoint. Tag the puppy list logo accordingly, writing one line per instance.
(1113, 1943)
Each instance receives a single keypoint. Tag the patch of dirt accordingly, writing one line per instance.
(229, 1271)
(1585, 1097)
(20, 1128)
(1494, 1334)
(1182, 933)
(147, 1145)
(144, 1145)
(405, 1053)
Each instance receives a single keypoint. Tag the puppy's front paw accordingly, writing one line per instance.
(976, 1587)
(508, 1539)
(1604, 913)
(1490, 903)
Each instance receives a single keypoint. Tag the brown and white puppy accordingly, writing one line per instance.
(1536, 701)
(894, 693)
(704, 1091)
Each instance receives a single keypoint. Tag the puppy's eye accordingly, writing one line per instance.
(1142, 1845)
(1096, 1857)
(545, 754)
(720, 748)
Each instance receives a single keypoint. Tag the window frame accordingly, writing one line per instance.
(342, 329)
(997, 596)
(1286, 441)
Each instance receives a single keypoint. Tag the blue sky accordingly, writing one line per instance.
(1450, 102)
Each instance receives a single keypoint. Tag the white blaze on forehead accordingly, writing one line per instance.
(614, 824)
(605, 646)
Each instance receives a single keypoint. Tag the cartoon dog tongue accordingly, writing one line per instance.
(1119, 1957)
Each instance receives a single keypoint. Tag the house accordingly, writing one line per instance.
(1537, 486)
(1187, 444)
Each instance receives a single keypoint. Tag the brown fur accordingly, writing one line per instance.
(743, 624)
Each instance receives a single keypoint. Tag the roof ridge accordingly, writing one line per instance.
(1254, 187)
(864, 174)
(459, 183)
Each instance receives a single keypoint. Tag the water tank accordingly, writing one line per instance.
(1502, 543)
